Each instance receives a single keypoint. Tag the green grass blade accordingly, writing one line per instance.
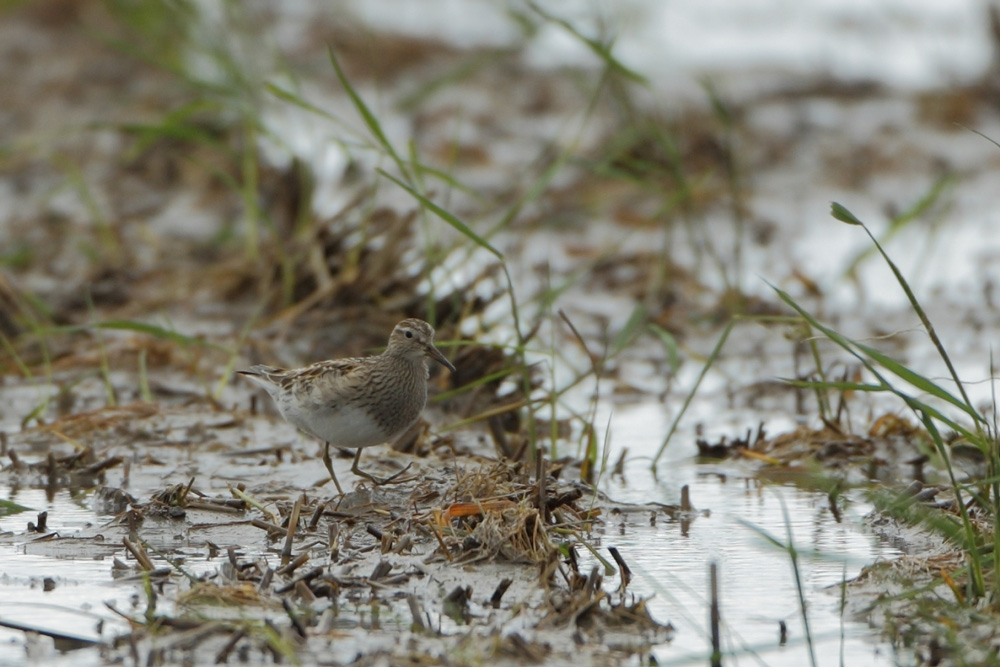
(369, 118)
(900, 222)
(449, 180)
(853, 347)
(837, 338)
(158, 332)
(670, 345)
(10, 349)
(486, 379)
(840, 212)
(602, 51)
(465, 69)
(292, 98)
(445, 215)
(907, 509)
(687, 400)
(919, 381)
(8, 507)
(840, 386)
(970, 534)
(629, 332)
(922, 408)
(924, 320)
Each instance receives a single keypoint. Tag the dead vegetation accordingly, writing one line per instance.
(267, 570)
(166, 232)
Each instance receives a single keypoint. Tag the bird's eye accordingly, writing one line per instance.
(409, 334)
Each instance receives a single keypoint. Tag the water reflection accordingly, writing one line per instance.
(736, 520)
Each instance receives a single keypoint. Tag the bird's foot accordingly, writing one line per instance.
(379, 481)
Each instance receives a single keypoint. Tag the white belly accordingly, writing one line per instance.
(345, 427)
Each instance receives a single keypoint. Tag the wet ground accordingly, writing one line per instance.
(185, 194)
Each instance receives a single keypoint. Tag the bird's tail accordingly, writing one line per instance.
(267, 377)
(262, 371)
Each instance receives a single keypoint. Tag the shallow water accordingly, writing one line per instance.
(669, 561)
(757, 586)
(75, 606)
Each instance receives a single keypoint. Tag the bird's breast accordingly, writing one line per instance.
(379, 410)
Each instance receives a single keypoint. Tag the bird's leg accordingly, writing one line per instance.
(329, 466)
(377, 481)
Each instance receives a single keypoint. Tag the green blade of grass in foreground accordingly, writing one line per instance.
(295, 100)
(840, 212)
(793, 556)
(370, 120)
(446, 216)
(602, 51)
(853, 347)
(901, 221)
(919, 381)
(633, 327)
(292, 98)
(669, 345)
(716, 351)
(965, 535)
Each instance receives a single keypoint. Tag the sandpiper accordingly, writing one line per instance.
(358, 402)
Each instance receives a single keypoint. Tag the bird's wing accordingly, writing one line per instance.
(324, 381)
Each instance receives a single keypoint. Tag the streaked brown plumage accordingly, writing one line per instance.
(357, 402)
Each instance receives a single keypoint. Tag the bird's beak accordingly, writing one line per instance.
(436, 355)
